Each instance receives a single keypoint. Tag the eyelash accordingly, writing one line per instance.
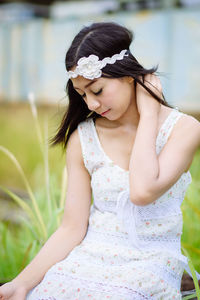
(98, 93)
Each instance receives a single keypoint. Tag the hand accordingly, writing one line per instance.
(10, 291)
(146, 103)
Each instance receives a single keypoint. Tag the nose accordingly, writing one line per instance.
(92, 103)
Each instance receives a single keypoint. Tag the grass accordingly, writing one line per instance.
(44, 207)
(20, 242)
(191, 214)
(18, 135)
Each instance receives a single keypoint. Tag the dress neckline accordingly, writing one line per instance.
(108, 158)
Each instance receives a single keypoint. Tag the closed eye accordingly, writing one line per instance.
(97, 93)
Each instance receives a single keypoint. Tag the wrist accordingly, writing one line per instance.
(20, 284)
(150, 114)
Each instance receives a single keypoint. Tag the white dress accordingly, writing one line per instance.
(129, 252)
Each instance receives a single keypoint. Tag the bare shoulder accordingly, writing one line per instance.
(74, 146)
(187, 127)
(191, 121)
(74, 139)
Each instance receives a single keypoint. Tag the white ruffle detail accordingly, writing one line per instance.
(125, 211)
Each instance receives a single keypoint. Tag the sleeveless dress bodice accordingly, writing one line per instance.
(129, 251)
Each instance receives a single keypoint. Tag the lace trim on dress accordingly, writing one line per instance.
(166, 129)
(49, 298)
(132, 216)
(153, 266)
(171, 246)
(107, 237)
(91, 285)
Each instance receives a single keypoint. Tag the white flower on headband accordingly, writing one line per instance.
(90, 67)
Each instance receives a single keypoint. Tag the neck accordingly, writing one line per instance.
(130, 119)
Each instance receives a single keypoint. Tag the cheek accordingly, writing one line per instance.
(117, 94)
(112, 92)
(126, 93)
(109, 96)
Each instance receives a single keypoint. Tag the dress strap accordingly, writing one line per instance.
(90, 149)
(167, 128)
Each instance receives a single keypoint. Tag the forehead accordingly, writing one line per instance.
(82, 83)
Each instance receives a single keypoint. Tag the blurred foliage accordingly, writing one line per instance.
(191, 214)
(41, 210)
(18, 135)
(21, 242)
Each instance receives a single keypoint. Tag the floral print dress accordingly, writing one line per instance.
(129, 252)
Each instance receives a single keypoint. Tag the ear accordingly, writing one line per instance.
(130, 79)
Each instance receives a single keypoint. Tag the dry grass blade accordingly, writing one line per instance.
(35, 205)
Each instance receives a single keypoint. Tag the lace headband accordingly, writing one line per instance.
(90, 67)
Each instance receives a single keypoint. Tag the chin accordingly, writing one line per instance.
(110, 118)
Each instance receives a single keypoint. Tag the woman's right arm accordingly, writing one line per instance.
(74, 223)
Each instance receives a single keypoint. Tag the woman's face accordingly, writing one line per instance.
(108, 97)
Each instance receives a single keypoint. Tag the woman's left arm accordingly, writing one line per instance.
(151, 175)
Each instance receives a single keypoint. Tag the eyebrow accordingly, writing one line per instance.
(87, 85)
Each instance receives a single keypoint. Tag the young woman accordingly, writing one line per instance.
(130, 150)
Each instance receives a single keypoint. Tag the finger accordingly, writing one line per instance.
(155, 86)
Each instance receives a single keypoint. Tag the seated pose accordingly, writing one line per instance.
(128, 157)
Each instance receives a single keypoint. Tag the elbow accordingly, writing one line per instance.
(74, 230)
(141, 199)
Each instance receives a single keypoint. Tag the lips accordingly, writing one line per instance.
(105, 112)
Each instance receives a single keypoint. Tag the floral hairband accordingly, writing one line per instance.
(90, 67)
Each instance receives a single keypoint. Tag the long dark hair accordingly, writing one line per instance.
(103, 39)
